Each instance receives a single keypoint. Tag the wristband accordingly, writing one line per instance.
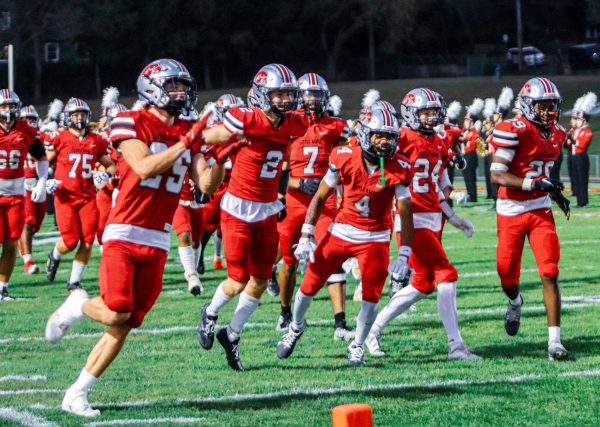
(404, 251)
(308, 229)
(527, 184)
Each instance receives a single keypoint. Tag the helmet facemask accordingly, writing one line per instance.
(79, 122)
(377, 144)
(429, 118)
(179, 95)
(279, 104)
(314, 101)
(10, 114)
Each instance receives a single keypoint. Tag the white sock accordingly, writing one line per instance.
(3, 285)
(399, 303)
(84, 382)
(446, 303)
(246, 306)
(55, 253)
(553, 333)
(186, 255)
(26, 258)
(301, 305)
(77, 271)
(518, 301)
(197, 254)
(219, 300)
(364, 322)
(218, 242)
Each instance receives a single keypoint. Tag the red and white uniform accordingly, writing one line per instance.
(469, 137)
(583, 138)
(526, 213)
(363, 223)
(189, 215)
(75, 198)
(309, 159)
(14, 148)
(428, 155)
(249, 207)
(105, 196)
(137, 238)
(34, 212)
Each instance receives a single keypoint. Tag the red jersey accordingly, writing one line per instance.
(75, 162)
(365, 204)
(583, 138)
(310, 153)
(427, 153)
(14, 148)
(469, 136)
(144, 209)
(533, 157)
(255, 176)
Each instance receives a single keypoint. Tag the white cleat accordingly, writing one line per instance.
(194, 285)
(77, 403)
(66, 315)
(4, 295)
(557, 351)
(462, 353)
(372, 343)
(356, 355)
(343, 334)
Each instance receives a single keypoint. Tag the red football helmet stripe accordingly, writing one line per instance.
(546, 84)
(429, 93)
(284, 73)
(388, 118)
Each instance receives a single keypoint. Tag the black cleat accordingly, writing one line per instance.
(200, 267)
(288, 342)
(512, 319)
(73, 286)
(232, 350)
(206, 329)
(51, 267)
(273, 284)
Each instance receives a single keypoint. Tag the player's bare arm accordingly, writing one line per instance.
(316, 205)
(108, 164)
(499, 169)
(147, 165)
(405, 211)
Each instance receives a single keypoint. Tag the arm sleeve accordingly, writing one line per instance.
(401, 191)
(122, 128)
(37, 150)
(505, 136)
(445, 180)
(332, 177)
(584, 140)
(237, 120)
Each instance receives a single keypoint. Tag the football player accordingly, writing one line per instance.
(17, 139)
(427, 152)
(34, 212)
(157, 149)
(371, 176)
(250, 208)
(308, 164)
(525, 150)
(75, 151)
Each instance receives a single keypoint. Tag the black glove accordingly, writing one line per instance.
(309, 186)
(200, 197)
(459, 161)
(548, 185)
(282, 213)
(563, 203)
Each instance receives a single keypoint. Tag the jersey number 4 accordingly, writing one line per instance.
(174, 181)
(422, 178)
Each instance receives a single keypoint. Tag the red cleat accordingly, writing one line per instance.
(218, 263)
(30, 267)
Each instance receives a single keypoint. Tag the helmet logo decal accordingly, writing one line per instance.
(151, 69)
(526, 89)
(261, 77)
(409, 98)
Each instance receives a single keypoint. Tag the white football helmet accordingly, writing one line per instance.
(112, 112)
(314, 92)
(270, 78)
(378, 121)
(75, 105)
(29, 113)
(224, 103)
(536, 90)
(155, 76)
(417, 100)
(9, 97)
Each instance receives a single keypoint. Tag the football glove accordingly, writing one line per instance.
(309, 186)
(101, 177)
(548, 185)
(399, 268)
(200, 197)
(225, 151)
(462, 224)
(563, 203)
(52, 185)
(282, 213)
(38, 194)
(305, 249)
(195, 133)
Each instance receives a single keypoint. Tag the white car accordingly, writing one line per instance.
(532, 56)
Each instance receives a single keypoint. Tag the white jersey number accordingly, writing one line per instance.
(87, 165)
(10, 160)
(313, 152)
(422, 177)
(539, 168)
(175, 181)
(269, 169)
(363, 206)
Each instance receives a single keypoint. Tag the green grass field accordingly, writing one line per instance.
(163, 374)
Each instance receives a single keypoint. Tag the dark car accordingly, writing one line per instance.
(583, 56)
(532, 56)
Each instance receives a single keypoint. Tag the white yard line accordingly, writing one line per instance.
(12, 378)
(573, 302)
(30, 391)
(25, 418)
(150, 421)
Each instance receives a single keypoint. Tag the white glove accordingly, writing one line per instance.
(305, 249)
(462, 224)
(30, 184)
(101, 177)
(399, 267)
(38, 194)
(52, 185)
